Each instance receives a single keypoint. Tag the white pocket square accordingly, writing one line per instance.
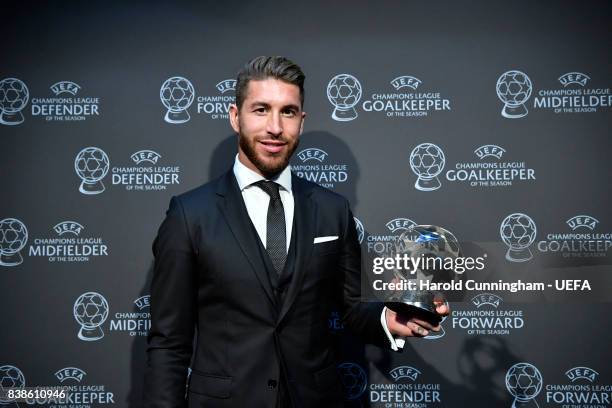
(318, 240)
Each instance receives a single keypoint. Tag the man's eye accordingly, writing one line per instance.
(289, 112)
(260, 110)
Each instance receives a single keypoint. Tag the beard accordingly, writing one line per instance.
(269, 168)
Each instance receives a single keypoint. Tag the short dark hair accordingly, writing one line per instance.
(263, 67)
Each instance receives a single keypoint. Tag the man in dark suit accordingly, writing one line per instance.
(249, 266)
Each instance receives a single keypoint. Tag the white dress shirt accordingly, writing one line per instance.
(256, 201)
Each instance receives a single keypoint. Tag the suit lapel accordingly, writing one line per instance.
(305, 213)
(231, 205)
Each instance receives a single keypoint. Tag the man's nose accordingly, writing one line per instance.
(274, 125)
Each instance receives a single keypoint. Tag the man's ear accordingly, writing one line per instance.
(233, 117)
(302, 124)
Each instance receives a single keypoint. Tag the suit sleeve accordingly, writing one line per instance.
(361, 316)
(173, 312)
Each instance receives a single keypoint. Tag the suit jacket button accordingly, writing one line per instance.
(272, 384)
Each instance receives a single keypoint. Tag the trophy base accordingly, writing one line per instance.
(514, 112)
(177, 117)
(524, 404)
(344, 115)
(86, 334)
(427, 184)
(11, 259)
(11, 119)
(519, 255)
(91, 188)
(416, 309)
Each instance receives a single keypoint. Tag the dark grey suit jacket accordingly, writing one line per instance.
(213, 307)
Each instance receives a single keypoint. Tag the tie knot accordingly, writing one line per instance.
(270, 187)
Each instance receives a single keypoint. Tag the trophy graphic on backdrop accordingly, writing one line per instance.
(91, 165)
(434, 246)
(11, 378)
(344, 92)
(524, 381)
(514, 89)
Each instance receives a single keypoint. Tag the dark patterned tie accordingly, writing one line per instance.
(276, 237)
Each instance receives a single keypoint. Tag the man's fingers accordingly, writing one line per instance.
(422, 323)
(442, 308)
(418, 330)
(408, 329)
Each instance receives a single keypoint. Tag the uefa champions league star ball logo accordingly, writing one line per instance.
(427, 162)
(14, 96)
(10, 377)
(344, 91)
(513, 89)
(353, 379)
(90, 311)
(13, 237)
(518, 231)
(524, 382)
(177, 95)
(91, 165)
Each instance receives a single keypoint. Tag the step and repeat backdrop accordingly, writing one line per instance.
(491, 119)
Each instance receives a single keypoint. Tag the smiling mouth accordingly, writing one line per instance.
(272, 146)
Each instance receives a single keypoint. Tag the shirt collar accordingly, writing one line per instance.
(246, 177)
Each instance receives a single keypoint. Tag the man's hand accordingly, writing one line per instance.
(410, 326)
